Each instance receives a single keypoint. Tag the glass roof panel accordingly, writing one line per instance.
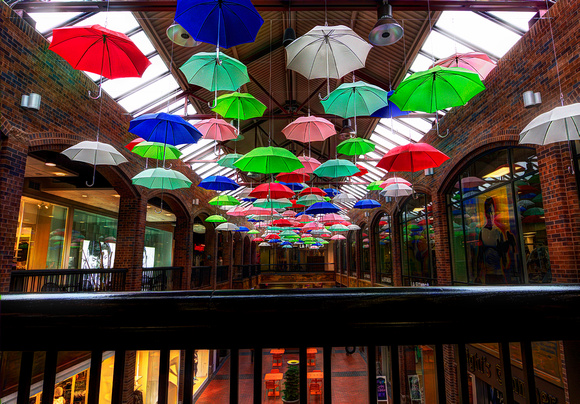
(419, 123)
(149, 93)
(421, 63)
(520, 20)
(122, 21)
(45, 22)
(143, 43)
(118, 87)
(441, 46)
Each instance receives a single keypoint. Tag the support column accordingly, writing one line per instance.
(183, 254)
(442, 251)
(131, 239)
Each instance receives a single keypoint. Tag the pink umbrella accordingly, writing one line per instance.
(338, 237)
(313, 226)
(238, 211)
(332, 217)
(310, 164)
(216, 129)
(305, 218)
(470, 182)
(394, 180)
(477, 62)
(289, 213)
(253, 210)
(309, 129)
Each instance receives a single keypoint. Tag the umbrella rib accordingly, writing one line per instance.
(453, 88)
(85, 52)
(313, 59)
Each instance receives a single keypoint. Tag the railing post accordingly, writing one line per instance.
(395, 374)
(257, 355)
(440, 372)
(163, 376)
(327, 371)
(372, 372)
(49, 377)
(234, 375)
(462, 374)
(118, 377)
(188, 377)
(95, 377)
(528, 368)
(303, 375)
(506, 370)
(26, 360)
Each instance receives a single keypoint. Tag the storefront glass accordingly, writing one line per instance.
(158, 250)
(351, 245)
(497, 227)
(417, 242)
(365, 264)
(93, 241)
(42, 234)
(382, 233)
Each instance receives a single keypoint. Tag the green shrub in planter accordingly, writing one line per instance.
(291, 391)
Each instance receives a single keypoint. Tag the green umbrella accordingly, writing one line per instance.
(355, 99)
(222, 200)
(534, 211)
(436, 89)
(216, 219)
(355, 146)
(375, 186)
(239, 105)
(156, 150)
(229, 159)
(161, 178)
(253, 232)
(273, 203)
(336, 168)
(309, 199)
(269, 160)
(206, 70)
(537, 199)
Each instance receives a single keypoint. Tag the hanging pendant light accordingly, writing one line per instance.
(289, 36)
(178, 35)
(387, 30)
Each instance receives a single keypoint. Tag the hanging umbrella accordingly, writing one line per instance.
(272, 190)
(218, 22)
(558, 125)
(394, 180)
(343, 198)
(534, 211)
(309, 129)
(355, 99)
(133, 142)
(254, 210)
(216, 129)
(336, 168)
(289, 213)
(362, 171)
(99, 50)
(367, 204)
(218, 183)
(224, 200)
(470, 182)
(161, 178)
(355, 146)
(282, 223)
(164, 128)
(280, 203)
(338, 237)
(302, 218)
(321, 208)
(331, 217)
(269, 160)
(390, 111)
(216, 219)
(294, 186)
(331, 192)
(327, 52)
(227, 227)
(242, 229)
(396, 190)
(229, 159)
(375, 186)
(310, 164)
(310, 199)
(436, 89)
(264, 244)
(312, 190)
(239, 106)
(215, 72)
(353, 227)
(338, 227)
(477, 62)
(412, 157)
(253, 232)
(95, 153)
(237, 211)
(158, 151)
(293, 177)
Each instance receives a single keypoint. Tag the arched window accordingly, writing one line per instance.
(351, 246)
(365, 263)
(496, 219)
(384, 257)
(417, 242)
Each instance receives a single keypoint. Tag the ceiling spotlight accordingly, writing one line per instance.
(180, 36)
(387, 30)
(289, 36)
(346, 128)
(50, 164)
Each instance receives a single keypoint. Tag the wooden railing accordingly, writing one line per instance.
(161, 278)
(68, 280)
(201, 277)
(369, 317)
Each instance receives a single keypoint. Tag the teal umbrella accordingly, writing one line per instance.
(239, 105)
(272, 203)
(229, 159)
(336, 168)
(355, 99)
(215, 73)
(269, 160)
(310, 199)
(161, 178)
(355, 146)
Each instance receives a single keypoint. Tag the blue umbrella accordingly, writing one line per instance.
(275, 240)
(249, 199)
(321, 208)
(218, 183)
(294, 186)
(242, 228)
(331, 192)
(164, 128)
(286, 243)
(390, 111)
(223, 23)
(367, 204)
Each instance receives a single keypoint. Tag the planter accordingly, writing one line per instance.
(292, 382)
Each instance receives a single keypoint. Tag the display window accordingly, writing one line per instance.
(93, 241)
(496, 219)
(365, 252)
(158, 251)
(351, 245)
(384, 257)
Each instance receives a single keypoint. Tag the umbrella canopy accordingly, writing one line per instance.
(293, 177)
(331, 217)
(280, 203)
(158, 151)
(327, 52)
(218, 183)
(412, 157)
(477, 62)
(294, 186)
(282, 223)
(396, 190)
(99, 50)
(218, 22)
(269, 160)
(237, 211)
(470, 182)
(164, 128)
(355, 99)
(310, 199)
(272, 190)
(312, 190)
(336, 168)
(362, 171)
(558, 125)
(133, 142)
(338, 237)
(355, 146)
(95, 153)
(239, 106)
(242, 228)
(224, 200)
(216, 219)
(227, 227)
(375, 186)
(321, 208)
(436, 89)
(343, 198)
(216, 129)
(367, 204)
(310, 164)
(309, 129)
(390, 111)
(331, 192)
(215, 71)
(264, 244)
(395, 180)
(338, 227)
(161, 178)
(353, 227)
(229, 159)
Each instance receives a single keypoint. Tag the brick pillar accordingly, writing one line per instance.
(13, 153)
(182, 253)
(131, 239)
(442, 251)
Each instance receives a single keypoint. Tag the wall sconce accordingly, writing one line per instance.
(531, 99)
(367, 214)
(195, 201)
(429, 171)
(31, 101)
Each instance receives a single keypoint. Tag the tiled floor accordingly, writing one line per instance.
(349, 379)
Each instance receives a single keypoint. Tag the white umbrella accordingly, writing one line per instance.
(343, 198)
(95, 153)
(558, 125)
(353, 227)
(396, 190)
(226, 226)
(327, 52)
(264, 244)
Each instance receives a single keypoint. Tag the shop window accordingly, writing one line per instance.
(351, 245)
(384, 257)
(158, 251)
(199, 247)
(41, 236)
(93, 241)
(365, 253)
(496, 219)
(417, 242)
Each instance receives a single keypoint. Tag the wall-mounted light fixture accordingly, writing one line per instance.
(429, 171)
(195, 201)
(531, 99)
(31, 101)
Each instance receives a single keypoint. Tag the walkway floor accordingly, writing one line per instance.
(349, 379)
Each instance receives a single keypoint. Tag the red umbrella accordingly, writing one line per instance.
(134, 143)
(258, 239)
(412, 157)
(282, 223)
(294, 176)
(271, 190)
(99, 50)
(331, 217)
(305, 218)
(295, 205)
(312, 190)
(272, 236)
(362, 171)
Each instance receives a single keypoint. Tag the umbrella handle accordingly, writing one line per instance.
(98, 95)
(94, 171)
(321, 98)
